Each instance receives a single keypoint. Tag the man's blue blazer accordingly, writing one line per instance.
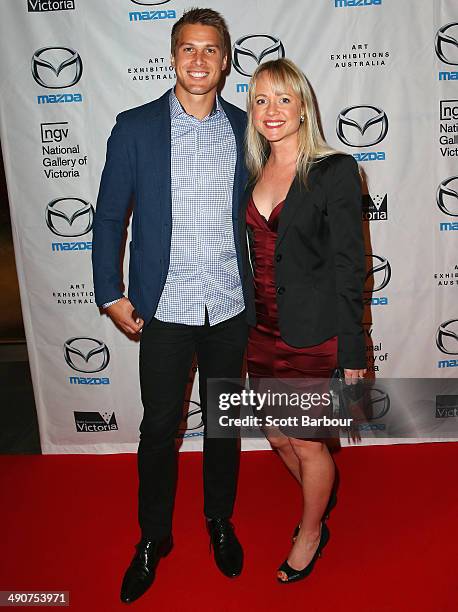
(137, 173)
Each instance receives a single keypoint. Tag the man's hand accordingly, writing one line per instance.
(123, 315)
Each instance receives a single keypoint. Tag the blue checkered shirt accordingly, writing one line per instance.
(203, 271)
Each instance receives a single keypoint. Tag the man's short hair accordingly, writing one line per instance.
(206, 17)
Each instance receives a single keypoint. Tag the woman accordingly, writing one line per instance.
(303, 220)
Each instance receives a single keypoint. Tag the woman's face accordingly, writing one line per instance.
(276, 114)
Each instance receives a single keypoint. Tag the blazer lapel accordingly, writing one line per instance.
(292, 203)
(240, 174)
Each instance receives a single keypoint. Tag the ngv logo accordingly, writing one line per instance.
(447, 196)
(56, 67)
(44, 6)
(345, 3)
(151, 15)
(446, 43)
(362, 125)
(378, 273)
(69, 217)
(250, 50)
(449, 110)
(85, 354)
(53, 132)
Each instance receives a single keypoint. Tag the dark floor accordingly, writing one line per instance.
(19, 426)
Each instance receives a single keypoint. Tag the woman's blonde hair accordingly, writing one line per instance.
(285, 75)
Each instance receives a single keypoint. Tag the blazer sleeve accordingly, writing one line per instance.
(116, 188)
(343, 186)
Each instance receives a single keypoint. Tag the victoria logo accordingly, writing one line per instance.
(447, 337)
(85, 354)
(362, 125)
(380, 272)
(69, 217)
(95, 421)
(44, 6)
(447, 43)
(56, 67)
(447, 196)
(250, 50)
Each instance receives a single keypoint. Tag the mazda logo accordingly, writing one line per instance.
(249, 51)
(69, 217)
(193, 418)
(362, 125)
(149, 3)
(447, 44)
(380, 270)
(447, 197)
(56, 67)
(378, 402)
(79, 351)
(447, 337)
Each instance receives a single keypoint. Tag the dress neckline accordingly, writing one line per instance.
(271, 216)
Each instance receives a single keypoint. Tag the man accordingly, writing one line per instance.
(180, 158)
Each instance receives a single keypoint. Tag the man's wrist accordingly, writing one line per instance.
(108, 304)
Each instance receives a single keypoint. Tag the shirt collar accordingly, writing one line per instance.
(176, 109)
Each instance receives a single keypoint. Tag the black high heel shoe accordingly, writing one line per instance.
(293, 575)
(331, 504)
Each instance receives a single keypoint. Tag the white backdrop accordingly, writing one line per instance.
(384, 73)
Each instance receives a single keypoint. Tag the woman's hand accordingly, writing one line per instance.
(352, 376)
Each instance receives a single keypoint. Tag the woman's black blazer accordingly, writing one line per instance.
(319, 260)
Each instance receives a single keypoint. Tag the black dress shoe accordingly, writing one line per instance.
(141, 572)
(227, 550)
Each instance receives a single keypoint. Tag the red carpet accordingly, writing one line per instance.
(69, 523)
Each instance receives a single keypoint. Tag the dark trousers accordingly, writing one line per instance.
(166, 354)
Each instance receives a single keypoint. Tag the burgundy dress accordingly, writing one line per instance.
(268, 356)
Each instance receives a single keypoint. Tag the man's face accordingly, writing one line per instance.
(198, 59)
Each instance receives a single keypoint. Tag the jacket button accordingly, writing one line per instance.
(281, 290)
